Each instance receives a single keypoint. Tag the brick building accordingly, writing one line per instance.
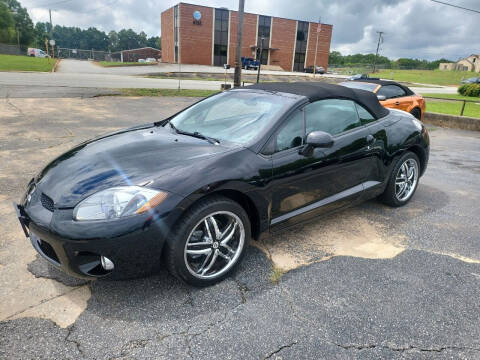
(194, 34)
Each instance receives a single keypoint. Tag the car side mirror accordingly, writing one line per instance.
(319, 139)
(381, 97)
(316, 139)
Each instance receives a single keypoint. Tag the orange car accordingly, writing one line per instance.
(392, 95)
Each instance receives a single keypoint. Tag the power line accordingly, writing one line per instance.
(456, 6)
(53, 3)
(65, 1)
(99, 7)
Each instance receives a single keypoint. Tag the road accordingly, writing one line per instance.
(82, 80)
(84, 74)
(369, 282)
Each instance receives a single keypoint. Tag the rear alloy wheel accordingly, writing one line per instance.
(209, 241)
(417, 113)
(403, 181)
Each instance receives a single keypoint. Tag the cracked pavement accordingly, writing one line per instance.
(369, 282)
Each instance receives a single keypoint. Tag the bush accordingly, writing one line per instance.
(469, 90)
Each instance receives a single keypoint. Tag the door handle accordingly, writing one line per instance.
(397, 102)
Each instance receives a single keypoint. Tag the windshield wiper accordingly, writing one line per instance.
(195, 134)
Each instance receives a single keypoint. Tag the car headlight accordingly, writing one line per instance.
(118, 202)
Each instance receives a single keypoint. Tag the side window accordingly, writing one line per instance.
(292, 133)
(364, 115)
(332, 116)
(391, 91)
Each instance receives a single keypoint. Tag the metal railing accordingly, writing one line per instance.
(464, 102)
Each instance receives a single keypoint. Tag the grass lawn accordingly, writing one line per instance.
(117, 64)
(435, 77)
(453, 96)
(25, 63)
(453, 107)
(167, 92)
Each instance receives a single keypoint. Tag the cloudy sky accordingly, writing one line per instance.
(413, 28)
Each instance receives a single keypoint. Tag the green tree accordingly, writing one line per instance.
(7, 25)
(128, 39)
(154, 42)
(113, 41)
(335, 58)
(23, 24)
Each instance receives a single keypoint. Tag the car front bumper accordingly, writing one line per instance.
(134, 244)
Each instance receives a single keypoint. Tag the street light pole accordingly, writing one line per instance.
(51, 26)
(260, 58)
(319, 27)
(238, 56)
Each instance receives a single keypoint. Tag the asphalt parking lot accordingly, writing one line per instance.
(369, 282)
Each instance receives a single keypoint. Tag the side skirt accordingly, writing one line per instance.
(328, 200)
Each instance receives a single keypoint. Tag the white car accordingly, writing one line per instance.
(150, 60)
(36, 53)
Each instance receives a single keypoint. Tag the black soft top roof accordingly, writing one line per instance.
(319, 91)
(386, 82)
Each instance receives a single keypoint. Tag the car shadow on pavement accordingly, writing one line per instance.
(134, 299)
(162, 296)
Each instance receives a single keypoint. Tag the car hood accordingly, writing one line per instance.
(136, 156)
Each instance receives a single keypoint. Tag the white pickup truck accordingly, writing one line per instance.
(36, 52)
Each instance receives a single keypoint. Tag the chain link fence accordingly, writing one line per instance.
(8, 49)
(82, 54)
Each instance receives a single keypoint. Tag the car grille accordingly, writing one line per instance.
(47, 202)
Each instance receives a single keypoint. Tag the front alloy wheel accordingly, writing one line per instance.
(214, 245)
(208, 242)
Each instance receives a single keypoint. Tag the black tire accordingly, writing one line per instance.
(176, 244)
(417, 113)
(389, 197)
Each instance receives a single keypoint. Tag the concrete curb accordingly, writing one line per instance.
(452, 121)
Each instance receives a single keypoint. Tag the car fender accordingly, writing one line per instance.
(255, 205)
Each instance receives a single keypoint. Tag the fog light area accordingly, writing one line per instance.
(107, 264)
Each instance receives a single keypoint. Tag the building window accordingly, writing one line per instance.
(220, 42)
(263, 31)
(300, 46)
(175, 31)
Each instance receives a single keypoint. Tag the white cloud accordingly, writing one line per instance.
(413, 28)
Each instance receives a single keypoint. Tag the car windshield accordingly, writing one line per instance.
(236, 116)
(360, 85)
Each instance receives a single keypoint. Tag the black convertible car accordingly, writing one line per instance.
(197, 186)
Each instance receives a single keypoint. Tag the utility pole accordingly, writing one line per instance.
(51, 26)
(260, 58)
(18, 36)
(380, 40)
(238, 56)
(319, 28)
